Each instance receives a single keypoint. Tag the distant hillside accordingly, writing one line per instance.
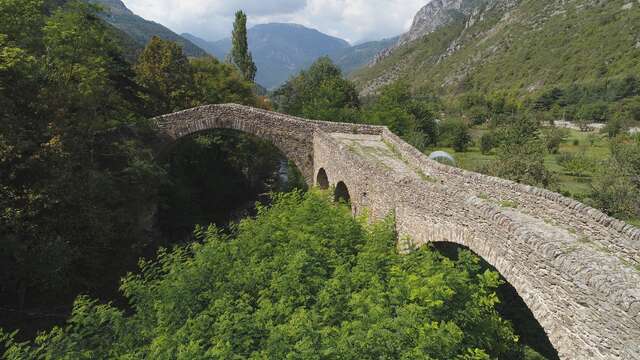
(523, 47)
(355, 57)
(215, 48)
(280, 50)
(141, 30)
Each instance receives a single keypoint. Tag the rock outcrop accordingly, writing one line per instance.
(431, 17)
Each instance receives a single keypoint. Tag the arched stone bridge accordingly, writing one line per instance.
(577, 269)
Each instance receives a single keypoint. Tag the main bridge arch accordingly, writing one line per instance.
(291, 135)
(577, 269)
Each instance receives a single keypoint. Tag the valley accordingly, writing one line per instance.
(463, 184)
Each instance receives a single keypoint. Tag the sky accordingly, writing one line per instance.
(353, 20)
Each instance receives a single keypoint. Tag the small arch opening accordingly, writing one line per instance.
(342, 193)
(322, 180)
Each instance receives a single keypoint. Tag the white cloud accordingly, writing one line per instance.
(352, 20)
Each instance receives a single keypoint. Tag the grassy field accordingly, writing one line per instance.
(592, 146)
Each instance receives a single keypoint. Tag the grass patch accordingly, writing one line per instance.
(424, 176)
(508, 204)
(592, 145)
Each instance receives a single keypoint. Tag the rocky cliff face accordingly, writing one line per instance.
(521, 47)
(435, 15)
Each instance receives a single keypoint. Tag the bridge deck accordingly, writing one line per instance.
(374, 150)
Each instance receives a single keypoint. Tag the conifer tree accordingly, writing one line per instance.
(240, 54)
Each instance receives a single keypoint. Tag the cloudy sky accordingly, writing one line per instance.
(353, 20)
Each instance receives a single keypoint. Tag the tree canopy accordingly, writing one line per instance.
(303, 280)
(78, 178)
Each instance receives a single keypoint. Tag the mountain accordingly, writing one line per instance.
(216, 48)
(520, 47)
(141, 30)
(355, 57)
(280, 50)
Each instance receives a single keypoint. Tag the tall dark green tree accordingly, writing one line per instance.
(240, 54)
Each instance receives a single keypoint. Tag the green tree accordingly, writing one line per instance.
(240, 54)
(74, 181)
(619, 195)
(22, 22)
(304, 279)
(319, 92)
(521, 153)
(217, 83)
(456, 134)
(166, 75)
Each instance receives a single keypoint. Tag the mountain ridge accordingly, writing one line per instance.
(522, 47)
(141, 30)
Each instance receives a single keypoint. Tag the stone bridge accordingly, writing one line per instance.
(577, 269)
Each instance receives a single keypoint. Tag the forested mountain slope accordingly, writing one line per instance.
(357, 56)
(142, 30)
(521, 47)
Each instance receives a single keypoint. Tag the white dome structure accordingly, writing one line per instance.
(442, 157)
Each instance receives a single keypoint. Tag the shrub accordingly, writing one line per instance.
(487, 143)
(553, 137)
(457, 135)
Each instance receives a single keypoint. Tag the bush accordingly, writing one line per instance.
(578, 164)
(615, 126)
(456, 134)
(553, 137)
(616, 195)
(521, 154)
(487, 143)
(478, 115)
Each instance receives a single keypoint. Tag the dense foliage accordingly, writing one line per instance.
(319, 92)
(303, 280)
(74, 178)
(619, 195)
(78, 179)
(214, 178)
